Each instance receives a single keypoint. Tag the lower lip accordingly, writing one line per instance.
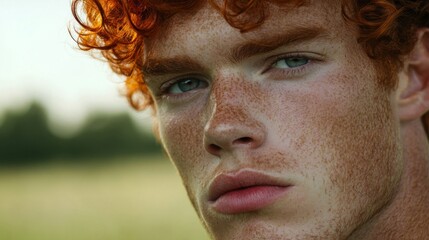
(248, 199)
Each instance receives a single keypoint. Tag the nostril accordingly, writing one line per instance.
(243, 140)
(213, 148)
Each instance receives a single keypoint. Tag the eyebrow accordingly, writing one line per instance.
(174, 65)
(299, 34)
(183, 64)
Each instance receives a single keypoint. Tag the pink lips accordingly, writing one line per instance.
(244, 191)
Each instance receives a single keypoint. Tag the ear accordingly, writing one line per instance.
(414, 99)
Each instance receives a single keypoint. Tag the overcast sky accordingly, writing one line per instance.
(39, 60)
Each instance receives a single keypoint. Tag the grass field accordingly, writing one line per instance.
(123, 200)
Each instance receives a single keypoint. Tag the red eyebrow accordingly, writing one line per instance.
(298, 34)
(174, 65)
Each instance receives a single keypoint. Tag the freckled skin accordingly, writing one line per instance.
(334, 133)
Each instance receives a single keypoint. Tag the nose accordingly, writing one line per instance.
(230, 128)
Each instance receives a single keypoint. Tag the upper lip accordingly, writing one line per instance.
(227, 182)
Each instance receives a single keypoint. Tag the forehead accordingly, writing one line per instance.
(207, 32)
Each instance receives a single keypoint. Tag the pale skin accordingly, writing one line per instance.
(308, 111)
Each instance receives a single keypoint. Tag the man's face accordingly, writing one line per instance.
(278, 133)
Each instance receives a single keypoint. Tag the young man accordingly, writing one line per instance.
(285, 119)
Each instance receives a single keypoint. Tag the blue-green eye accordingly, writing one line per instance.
(291, 62)
(186, 85)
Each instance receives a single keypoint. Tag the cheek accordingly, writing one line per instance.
(343, 116)
(342, 130)
(363, 162)
(181, 137)
(367, 157)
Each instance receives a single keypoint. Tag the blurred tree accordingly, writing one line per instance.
(107, 135)
(25, 138)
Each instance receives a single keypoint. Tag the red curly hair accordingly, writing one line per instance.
(117, 29)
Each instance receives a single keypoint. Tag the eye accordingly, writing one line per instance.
(185, 85)
(291, 62)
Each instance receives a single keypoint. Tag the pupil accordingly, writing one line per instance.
(188, 85)
(296, 62)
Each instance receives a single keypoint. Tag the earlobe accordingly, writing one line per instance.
(414, 100)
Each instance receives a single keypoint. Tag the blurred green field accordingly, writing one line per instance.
(120, 200)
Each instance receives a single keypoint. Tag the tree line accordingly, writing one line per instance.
(25, 138)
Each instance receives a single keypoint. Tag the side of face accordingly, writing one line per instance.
(308, 113)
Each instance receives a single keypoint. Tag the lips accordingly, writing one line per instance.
(245, 191)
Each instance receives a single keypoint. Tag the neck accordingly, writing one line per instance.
(406, 217)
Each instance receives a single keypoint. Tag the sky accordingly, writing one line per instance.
(40, 61)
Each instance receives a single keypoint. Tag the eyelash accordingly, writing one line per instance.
(164, 94)
(293, 71)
